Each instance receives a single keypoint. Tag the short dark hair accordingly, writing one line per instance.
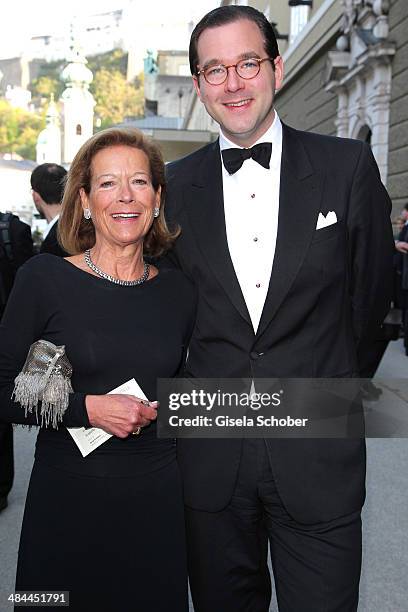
(406, 207)
(228, 14)
(48, 180)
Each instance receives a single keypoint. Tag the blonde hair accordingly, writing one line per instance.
(76, 234)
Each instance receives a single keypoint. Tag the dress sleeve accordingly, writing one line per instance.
(24, 322)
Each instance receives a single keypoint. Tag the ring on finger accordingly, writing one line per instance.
(137, 431)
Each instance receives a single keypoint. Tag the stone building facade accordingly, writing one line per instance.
(167, 84)
(398, 120)
(168, 96)
(347, 76)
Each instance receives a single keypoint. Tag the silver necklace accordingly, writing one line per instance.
(112, 279)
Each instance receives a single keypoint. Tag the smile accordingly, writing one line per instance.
(125, 215)
(237, 104)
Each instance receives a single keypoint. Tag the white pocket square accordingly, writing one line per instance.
(325, 221)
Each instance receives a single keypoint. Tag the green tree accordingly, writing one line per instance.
(115, 98)
(111, 60)
(48, 81)
(44, 86)
(19, 130)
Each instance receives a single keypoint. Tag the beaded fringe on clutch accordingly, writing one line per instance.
(44, 378)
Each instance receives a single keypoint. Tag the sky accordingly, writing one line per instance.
(25, 18)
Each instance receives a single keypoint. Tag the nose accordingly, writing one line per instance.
(233, 82)
(125, 194)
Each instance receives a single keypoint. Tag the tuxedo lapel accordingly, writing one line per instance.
(207, 220)
(299, 204)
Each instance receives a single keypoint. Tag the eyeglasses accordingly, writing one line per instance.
(246, 69)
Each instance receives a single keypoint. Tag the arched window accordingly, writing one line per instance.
(79, 130)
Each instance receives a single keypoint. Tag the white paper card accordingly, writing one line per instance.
(89, 439)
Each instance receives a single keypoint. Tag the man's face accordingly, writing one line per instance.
(243, 108)
(404, 214)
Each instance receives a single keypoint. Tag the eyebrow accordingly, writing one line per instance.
(114, 175)
(242, 56)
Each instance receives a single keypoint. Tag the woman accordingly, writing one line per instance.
(107, 527)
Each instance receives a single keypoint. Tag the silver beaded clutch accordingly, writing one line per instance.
(45, 378)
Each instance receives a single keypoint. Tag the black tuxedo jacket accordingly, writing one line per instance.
(401, 259)
(21, 242)
(51, 245)
(328, 289)
(22, 250)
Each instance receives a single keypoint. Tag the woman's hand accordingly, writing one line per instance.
(119, 415)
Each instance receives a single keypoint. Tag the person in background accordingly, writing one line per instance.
(401, 264)
(16, 247)
(47, 183)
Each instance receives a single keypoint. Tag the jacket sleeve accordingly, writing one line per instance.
(371, 248)
(24, 322)
(21, 242)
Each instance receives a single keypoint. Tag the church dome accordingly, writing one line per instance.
(76, 73)
(48, 134)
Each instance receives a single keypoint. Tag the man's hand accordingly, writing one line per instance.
(119, 415)
(401, 246)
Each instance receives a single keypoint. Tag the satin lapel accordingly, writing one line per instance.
(299, 205)
(207, 220)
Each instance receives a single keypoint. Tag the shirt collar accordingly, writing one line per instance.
(273, 134)
(49, 226)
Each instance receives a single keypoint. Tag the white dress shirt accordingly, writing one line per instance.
(49, 226)
(251, 206)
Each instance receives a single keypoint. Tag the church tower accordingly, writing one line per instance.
(77, 105)
(49, 140)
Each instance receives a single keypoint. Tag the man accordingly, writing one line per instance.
(276, 299)
(47, 182)
(16, 246)
(401, 261)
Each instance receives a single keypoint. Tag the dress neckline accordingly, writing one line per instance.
(103, 281)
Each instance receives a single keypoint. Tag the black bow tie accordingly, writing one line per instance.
(234, 158)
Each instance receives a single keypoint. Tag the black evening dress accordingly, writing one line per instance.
(108, 528)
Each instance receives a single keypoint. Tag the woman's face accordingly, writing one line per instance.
(122, 198)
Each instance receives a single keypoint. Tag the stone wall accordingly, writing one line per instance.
(304, 103)
(398, 135)
(172, 95)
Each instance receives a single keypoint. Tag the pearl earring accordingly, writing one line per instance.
(87, 213)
